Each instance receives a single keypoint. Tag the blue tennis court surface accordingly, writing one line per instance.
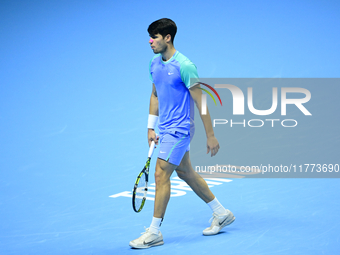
(74, 98)
(69, 211)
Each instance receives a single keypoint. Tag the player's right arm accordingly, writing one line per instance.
(153, 111)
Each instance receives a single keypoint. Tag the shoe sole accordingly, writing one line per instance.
(148, 246)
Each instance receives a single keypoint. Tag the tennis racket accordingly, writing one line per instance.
(141, 185)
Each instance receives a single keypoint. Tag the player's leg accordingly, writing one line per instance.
(221, 216)
(152, 235)
(171, 150)
(163, 173)
(193, 179)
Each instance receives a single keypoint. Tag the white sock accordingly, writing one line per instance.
(155, 225)
(216, 206)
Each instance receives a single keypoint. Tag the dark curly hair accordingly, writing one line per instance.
(164, 27)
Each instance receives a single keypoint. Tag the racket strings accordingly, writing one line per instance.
(141, 191)
(141, 188)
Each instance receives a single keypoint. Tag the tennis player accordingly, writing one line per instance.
(174, 93)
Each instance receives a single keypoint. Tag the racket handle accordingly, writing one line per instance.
(152, 147)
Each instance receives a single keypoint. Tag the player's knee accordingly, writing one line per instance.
(163, 172)
(158, 176)
(161, 176)
(182, 175)
(161, 179)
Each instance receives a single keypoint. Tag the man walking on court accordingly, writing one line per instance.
(171, 104)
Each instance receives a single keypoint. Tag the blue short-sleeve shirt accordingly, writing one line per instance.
(172, 80)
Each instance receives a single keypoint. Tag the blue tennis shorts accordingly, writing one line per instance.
(173, 146)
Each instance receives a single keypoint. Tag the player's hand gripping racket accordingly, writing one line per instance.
(141, 185)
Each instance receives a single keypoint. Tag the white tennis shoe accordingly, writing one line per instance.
(147, 240)
(219, 221)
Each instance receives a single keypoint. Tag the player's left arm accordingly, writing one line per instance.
(212, 143)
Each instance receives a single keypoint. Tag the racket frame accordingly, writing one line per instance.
(145, 172)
